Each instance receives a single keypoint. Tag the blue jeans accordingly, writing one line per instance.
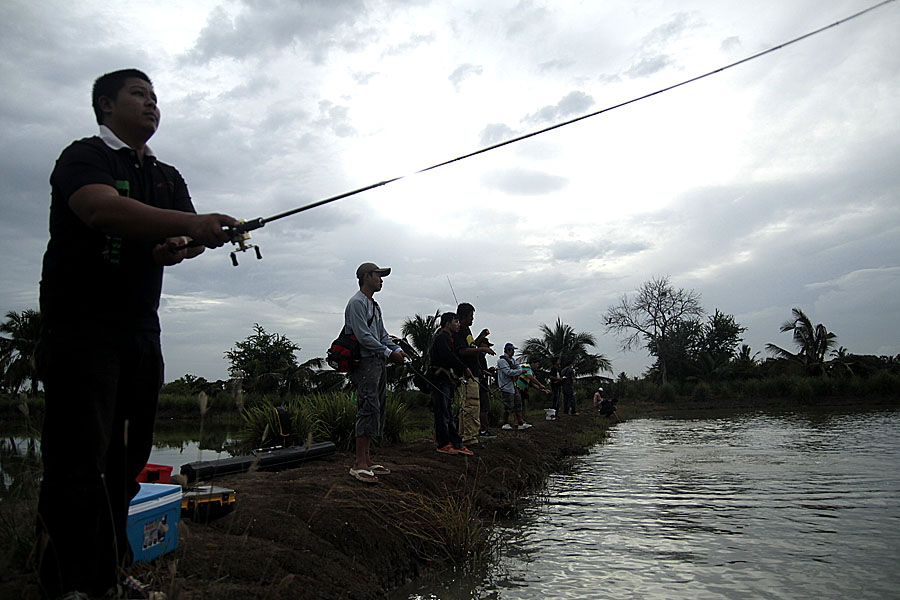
(444, 424)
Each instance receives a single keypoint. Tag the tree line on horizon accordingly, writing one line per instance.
(688, 345)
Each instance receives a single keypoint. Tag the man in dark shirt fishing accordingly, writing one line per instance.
(446, 368)
(117, 217)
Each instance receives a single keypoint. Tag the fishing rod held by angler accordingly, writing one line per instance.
(240, 234)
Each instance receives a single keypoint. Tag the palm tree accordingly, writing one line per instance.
(418, 335)
(566, 344)
(17, 351)
(420, 331)
(746, 355)
(813, 343)
(311, 377)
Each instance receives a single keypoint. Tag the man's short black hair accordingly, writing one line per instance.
(465, 309)
(447, 317)
(109, 85)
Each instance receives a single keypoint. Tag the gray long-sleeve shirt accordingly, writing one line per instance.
(507, 373)
(373, 339)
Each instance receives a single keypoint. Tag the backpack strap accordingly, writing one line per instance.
(369, 322)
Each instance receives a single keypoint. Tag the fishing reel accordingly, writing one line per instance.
(241, 234)
(241, 245)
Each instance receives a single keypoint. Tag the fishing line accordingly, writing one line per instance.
(240, 233)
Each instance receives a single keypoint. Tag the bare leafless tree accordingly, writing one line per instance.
(651, 315)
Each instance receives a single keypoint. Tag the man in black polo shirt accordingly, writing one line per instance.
(446, 367)
(117, 217)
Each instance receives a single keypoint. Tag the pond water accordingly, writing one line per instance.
(174, 446)
(749, 506)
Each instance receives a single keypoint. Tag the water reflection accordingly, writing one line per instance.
(19, 468)
(174, 445)
(750, 506)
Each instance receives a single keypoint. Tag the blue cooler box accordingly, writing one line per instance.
(153, 521)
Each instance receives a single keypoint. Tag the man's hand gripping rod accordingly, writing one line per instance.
(239, 236)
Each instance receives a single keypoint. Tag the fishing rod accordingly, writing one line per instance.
(409, 365)
(451, 291)
(240, 234)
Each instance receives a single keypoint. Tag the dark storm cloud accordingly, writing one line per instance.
(266, 26)
(573, 104)
(523, 182)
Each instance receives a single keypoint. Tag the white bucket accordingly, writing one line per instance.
(551, 414)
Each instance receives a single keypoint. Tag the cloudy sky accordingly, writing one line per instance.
(771, 185)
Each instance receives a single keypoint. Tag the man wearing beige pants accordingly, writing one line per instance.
(467, 393)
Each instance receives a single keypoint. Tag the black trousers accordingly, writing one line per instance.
(556, 392)
(101, 391)
(445, 431)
